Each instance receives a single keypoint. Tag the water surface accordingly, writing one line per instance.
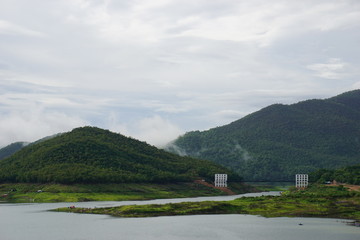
(34, 222)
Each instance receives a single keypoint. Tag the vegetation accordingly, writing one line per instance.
(350, 175)
(24, 192)
(17, 146)
(271, 186)
(317, 201)
(11, 149)
(93, 155)
(279, 141)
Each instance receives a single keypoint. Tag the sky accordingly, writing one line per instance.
(155, 69)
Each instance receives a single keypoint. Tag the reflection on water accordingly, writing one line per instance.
(33, 222)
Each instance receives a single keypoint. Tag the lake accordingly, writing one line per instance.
(34, 222)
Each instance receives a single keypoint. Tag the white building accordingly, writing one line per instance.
(301, 180)
(221, 180)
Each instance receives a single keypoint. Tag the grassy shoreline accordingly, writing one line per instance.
(318, 201)
(25, 193)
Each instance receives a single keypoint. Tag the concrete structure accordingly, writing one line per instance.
(301, 180)
(221, 180)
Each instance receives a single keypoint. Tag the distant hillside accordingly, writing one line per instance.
(11, 149)
(350, 175)
(17, 146)
(93, 155)
(279, 141)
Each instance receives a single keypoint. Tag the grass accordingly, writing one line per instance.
(21, 193)
(317, 201)
(271, 186)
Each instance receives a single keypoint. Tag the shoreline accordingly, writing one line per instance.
(29, 193)
(328, 202)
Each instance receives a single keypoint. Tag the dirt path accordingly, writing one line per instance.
(348, 186)
(352, 187)
(226, 190)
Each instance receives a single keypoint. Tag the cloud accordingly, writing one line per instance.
(263, 22)
(154, 130)
(334, 68)
(228, 115)
(35, 123)
(115, 24)
(258, 21)
(157, 130)
(151, 69)
(356, 85)
(8, 28)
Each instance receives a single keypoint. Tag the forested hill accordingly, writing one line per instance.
(279, 141)
(350, 175)
(93, 155)
(17, 146)
(11, 149)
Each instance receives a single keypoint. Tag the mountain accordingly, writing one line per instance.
(280, 140)
(11, 149)
(93, 155)
(350, 175)
(17, 146)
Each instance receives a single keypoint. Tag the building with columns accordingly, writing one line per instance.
(221, 180)
(301, 180)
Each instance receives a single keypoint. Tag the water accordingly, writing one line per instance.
(34, 222)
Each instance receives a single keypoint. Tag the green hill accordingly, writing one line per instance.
(93, 155)
(350, 175)
(279, 141)
(11, 149)
(17, 146)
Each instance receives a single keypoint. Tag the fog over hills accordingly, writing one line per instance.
(279, 141)
(11, 149)
(94, 155)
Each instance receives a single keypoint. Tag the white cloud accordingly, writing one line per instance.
(265, 21)
(15, 79)
(154, 130)
(157, 130)
(189, 64)
(8, 28)
(35, 123)
(117, 24)
(356, 85)
(229, 115)
(334, 68)
(251, 21)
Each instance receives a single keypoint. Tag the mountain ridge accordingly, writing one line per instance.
(12, 148)
(94, 155)
(276, 142)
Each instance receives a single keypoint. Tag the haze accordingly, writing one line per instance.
(156, 69)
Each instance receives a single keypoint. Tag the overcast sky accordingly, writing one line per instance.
(154, 69)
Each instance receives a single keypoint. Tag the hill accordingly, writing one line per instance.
(280, 140)
(350, 175)
(11, 149)
(93, 155)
